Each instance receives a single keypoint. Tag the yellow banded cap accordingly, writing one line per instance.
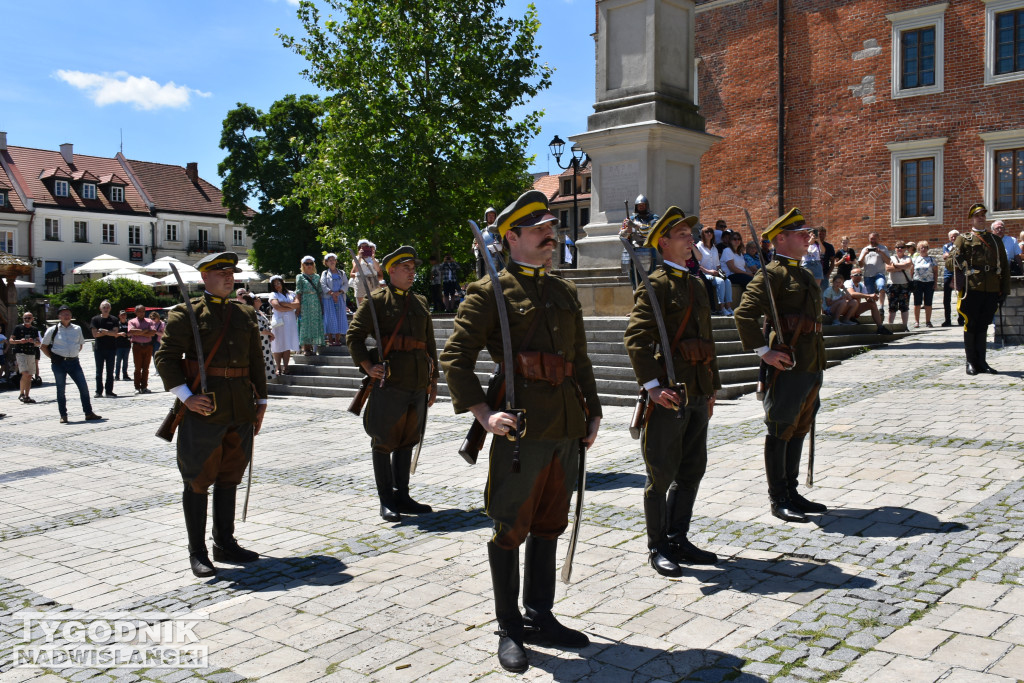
(668, 220)
(400, 255)
(226, 260)
(791, 221)
(976, 208)
(531, 209)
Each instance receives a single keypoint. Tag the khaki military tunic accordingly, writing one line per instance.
(395, 412)
(791, 398)
(216, 447)
(535, 500)
(981, 273)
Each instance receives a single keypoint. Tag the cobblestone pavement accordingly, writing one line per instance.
(915, 575)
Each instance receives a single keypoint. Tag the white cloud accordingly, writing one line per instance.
(121, 87)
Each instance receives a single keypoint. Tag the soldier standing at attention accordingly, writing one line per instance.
(215, 436)
(528, 498)
(981, 275)
(396, 411)
(797, 359)
(674, 441)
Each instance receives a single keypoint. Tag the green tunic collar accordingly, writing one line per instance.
(786, 260)
(522, 269)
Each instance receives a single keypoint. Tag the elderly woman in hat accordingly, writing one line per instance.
(285, 324)
(333, 287)
(311, 314)
(370, 268)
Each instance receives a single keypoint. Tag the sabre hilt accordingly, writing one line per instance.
(516, 435)
(387, 371)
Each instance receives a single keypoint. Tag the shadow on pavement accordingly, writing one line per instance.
(883, 522)
(769, 577)
(451, 519)
(272, 572)
(1019, 374)
(931, 346)
(606, 481)
(624, 662)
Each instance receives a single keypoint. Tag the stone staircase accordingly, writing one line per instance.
(332, 374)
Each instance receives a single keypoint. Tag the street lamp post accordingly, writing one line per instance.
(557, 145)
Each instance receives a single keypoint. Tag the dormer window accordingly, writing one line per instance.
(116, 193)
(3, 198)
(88, 190)
(60, 188)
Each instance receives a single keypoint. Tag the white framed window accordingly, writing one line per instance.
(60, 188)
(918, 66)
(202, 238)
(81, 231)
(239, 237)
(109, 233)
(1004, 41)
(1004, 174)
(566, 186)
(88, 190)
(171, 232)
(116, 193)
(917, 169)
(51, 230)
(7, 241)
(134, 235)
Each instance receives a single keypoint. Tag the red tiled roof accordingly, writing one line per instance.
(548, 184)
(111, 179)
(84, 176)
(31, 164)
(13, 203)
(55, 172)
(170, 188)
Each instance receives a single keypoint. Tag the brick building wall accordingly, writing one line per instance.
(840, 113)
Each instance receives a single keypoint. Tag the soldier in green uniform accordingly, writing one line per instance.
(215, 436)
(552, 375)
(797, 359)
(981, 275)
(674, 441)
(395, 412)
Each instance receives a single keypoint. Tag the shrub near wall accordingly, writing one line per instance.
(84, 299)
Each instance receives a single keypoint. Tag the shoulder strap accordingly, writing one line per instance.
(213, 349)
(398, 326)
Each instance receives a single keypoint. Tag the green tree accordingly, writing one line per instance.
(123, 294)
(418, 133)
(264, 154)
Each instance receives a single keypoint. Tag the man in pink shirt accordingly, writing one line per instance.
(141, 332)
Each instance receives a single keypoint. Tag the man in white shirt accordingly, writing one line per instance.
(1013, 253)
(61, 344)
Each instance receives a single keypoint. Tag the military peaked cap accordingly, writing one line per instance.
(792, 221)
(667, 221)
(400, 255)
(226, 260)
(529, 210)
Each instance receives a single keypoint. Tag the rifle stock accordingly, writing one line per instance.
(640, 414)
(170, 422)
(475, 437)
(363, 393)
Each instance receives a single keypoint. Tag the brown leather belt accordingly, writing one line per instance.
(192, 367)
(540, 366)
(406, 343)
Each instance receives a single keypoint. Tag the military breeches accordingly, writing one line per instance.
(978, 309)
(536, 499)
(212, 453)
(791, 402)
(393, 416)
(675, 447)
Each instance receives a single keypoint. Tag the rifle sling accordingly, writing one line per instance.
(213, 350)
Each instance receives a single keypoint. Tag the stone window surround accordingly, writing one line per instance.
(992, 8)
(996, 140)
(921, 17)
(916, 149)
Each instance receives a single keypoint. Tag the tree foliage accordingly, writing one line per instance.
(264, 154)
(418, 133)
(123, 294)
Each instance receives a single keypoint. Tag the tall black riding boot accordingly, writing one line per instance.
(225, 547)
(659, 552)
(680, 512)
(385, 491)
(775, 469)
(539, 597)
(505, 579)
(971, 353)
(793, 448)
(401, 462)
(981, 352)
(194, 506)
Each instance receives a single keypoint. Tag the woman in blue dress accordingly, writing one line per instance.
(334, 286)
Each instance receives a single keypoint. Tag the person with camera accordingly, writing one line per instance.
(873, 259)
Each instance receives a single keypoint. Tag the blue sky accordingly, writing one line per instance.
(166, 73)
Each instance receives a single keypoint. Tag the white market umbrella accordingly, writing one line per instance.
(248, 276)
(189, 276)
(105, 263)
(126, 274)
(21, 284)
(163, 265)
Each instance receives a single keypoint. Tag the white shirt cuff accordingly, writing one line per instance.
(761, 350)
(261, 401)
(652, 384)
(182, 392)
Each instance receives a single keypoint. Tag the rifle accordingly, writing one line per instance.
(363, 393)
(475, 437)
(581, 487)
(177, 412)
(641, 413)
